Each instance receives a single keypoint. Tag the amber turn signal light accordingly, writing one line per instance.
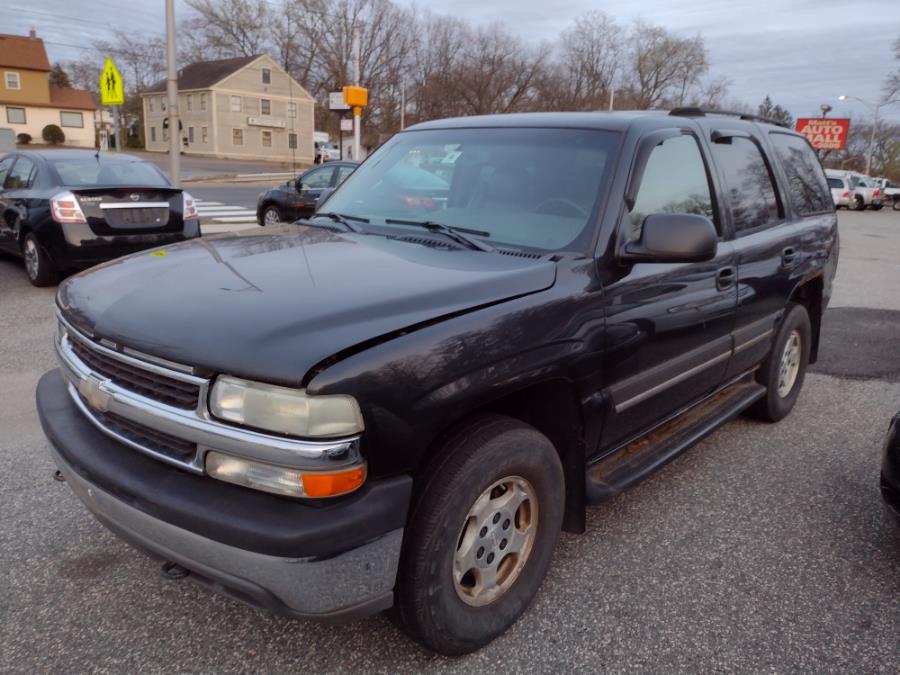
(333, 484)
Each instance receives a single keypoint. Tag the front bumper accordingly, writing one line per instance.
(325, 561)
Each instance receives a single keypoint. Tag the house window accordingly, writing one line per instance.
(266, 76)
(153, 134)
(71, 119)
(292, 109)
(267, 139)
(13, 81)
(151, 106)
(162, 103)
(190, 102)
(237, 136)
(15, 115)
(202, 101)
(265, 106)
(190, 134)
(165, 135)
(204, 134)
(292, 141)
(235, 104)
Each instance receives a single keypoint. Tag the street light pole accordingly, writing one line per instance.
(357, 111)
(874, 107)
(172, 97)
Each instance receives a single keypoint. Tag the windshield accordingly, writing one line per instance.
(90, 171)
(527, 187)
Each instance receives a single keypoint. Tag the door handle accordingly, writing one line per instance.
(788, 256)
(725, 277)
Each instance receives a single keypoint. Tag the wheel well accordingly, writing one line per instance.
(552, 407)
(809, 295)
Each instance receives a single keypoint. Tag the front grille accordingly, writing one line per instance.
(137, 218)
(152, 385)
(148, 438)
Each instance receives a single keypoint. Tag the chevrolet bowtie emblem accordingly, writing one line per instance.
(92, 393)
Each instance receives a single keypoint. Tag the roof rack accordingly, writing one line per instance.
(703, 112)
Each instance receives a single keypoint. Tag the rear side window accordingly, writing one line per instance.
(21, 175)
(836, 183)
(807, 189)
(674, 181)
(5, 164)
(748, 183)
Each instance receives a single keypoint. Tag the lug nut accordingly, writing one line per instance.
(503, 544)
(483, 532)
(506, 524)
(496, 518)
(490, 558)
(480, 552)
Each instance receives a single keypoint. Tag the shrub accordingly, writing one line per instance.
(134, 142)
(23, 139)
(53, 135)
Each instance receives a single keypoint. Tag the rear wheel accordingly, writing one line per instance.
(271, 216)
(481, 536)
(857, 203)
(876, 207)
(783, 371)
(38, 267)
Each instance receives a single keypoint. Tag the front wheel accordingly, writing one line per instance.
(783, 371)
(484, 524)
(271, 216)
(38, 267)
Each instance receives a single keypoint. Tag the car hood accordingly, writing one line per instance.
(272, 305)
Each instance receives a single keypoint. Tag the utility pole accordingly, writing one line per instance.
(357, 111)
(172, 96)
(872, 141)
(402, 105)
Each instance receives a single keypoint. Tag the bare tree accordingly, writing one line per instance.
(663, 67)
(591, 54)
(226, 28)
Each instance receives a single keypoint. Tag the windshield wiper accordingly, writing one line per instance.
(458, 234)
(343, 219)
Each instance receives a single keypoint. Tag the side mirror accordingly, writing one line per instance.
(673, 238)
(323, 195)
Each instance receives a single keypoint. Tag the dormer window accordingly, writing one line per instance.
(12, 80)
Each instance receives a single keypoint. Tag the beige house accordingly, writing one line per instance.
(240, 108)
(27, 101)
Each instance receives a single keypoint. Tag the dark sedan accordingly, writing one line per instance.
(71, 209)
(890, 469)
(297, 199)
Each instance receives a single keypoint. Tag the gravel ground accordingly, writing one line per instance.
(763, 548)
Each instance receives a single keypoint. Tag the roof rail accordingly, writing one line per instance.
(703, 112)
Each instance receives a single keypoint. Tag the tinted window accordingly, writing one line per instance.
(5, 164)
(748, 183)
(805, 180)
(320, 178)
(674, 181)
(836, 183)
(529, 187)
(21, 175)
(76, 172)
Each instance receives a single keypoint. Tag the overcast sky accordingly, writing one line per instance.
(801, 52)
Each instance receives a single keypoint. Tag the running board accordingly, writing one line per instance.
(634, 461)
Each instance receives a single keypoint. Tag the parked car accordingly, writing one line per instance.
(70, 209)
(297, 198)
(403, 401)
(326, 152)
(890, 469)
(892, 195)
(840, 190)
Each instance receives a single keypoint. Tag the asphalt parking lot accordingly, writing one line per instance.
(763, 548)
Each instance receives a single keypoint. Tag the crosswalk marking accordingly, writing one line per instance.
(217, 212)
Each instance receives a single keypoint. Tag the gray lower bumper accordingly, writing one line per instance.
(348, 585)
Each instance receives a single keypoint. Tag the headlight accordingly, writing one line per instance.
(284, 410)
(283, 480)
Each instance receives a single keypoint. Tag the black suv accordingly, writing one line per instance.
(494, 322)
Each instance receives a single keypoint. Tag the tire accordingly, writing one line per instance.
(271, 216)
(458, 507)
(38, 267)
(876, 207)
(780, 398)
(857, 203)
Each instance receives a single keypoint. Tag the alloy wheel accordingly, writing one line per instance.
(790, 364)
(32, 258)
(271, 217)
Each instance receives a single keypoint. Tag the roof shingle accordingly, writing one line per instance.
(19, 51)
(203, 74)
(78, 99)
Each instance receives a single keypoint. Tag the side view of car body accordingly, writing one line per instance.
(298, 198)
(70, 209)
(890, 469)
(865, 191)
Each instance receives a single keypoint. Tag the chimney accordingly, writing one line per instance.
(32, 34)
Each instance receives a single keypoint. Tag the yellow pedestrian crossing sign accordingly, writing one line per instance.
(112, 92)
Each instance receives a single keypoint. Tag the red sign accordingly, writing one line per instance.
(827, 133)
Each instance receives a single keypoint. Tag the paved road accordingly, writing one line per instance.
(764, 548)
(192, 167)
